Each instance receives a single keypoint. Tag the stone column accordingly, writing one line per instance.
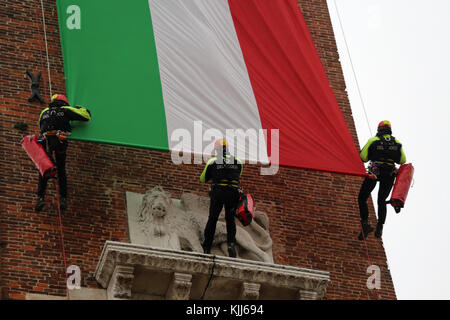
(119, 287)
(307, 295)
(179, 287)
(250, 291)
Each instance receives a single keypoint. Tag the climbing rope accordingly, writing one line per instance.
(62, 235)
(56, 181)
(365, 114)
(40, 52)
(368, 256)
(353, 68)
(46, 48)
(210, 278)
(363, 105)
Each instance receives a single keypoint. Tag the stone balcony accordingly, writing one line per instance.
(131, 271)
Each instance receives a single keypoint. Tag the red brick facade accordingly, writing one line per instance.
(314, 218)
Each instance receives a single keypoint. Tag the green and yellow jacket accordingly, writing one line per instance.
(57, 117)
(223, 173)
(384, 149)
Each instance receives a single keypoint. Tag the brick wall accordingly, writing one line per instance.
(313, 215)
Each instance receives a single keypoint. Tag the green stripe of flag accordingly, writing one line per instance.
(111, 67)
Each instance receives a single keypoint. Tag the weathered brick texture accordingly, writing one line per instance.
(314, 217)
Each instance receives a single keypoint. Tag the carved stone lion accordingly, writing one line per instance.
(179, 224)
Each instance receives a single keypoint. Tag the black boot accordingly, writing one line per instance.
(379, 230)
(39, 204)
(62, 204)
(206, 249)
(232, 250)
(366, 228)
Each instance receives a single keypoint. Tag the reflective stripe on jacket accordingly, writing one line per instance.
(384, 150)
(58, 118)
(223, 173)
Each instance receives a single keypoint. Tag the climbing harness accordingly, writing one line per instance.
(61, 135)
(373, 170)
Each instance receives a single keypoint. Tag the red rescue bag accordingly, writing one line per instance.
(245, 211)
(38, 155)
(402, 185)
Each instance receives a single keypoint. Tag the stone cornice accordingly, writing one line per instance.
(307, 282)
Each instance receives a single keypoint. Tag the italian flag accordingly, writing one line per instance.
(149, 70)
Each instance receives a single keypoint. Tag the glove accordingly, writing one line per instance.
(81, 107)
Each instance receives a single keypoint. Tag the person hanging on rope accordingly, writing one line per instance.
(54, 123)
(225, 171)
(384, 151)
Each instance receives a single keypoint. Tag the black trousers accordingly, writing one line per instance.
(220, 197)
(53, 145)
(386, 179)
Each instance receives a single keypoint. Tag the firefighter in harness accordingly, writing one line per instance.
(225, 171)
(54, 123)
(383, 151)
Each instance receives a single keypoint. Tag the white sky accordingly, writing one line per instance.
(401, 53)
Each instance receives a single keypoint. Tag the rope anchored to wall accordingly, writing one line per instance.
(56, 184)
(367, 121)
(363, 105)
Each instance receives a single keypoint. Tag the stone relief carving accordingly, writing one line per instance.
(120, 287)
(157, 220)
